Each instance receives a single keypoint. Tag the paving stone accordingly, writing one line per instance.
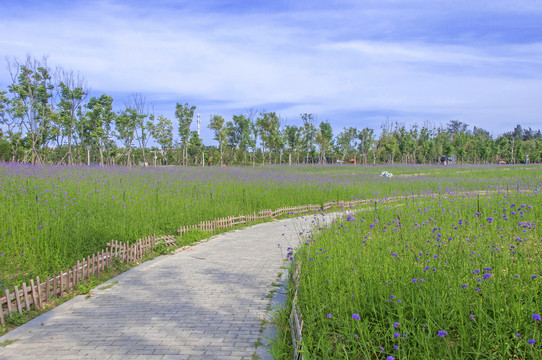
(206, 301)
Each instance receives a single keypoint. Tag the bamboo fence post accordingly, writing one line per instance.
(93, 264)
(97, 264)
(47, 288)
(77, 268)
(1, 313)
(61, 283)
(40, 293)
(18, 300)
(88, 266)
(55, 285)
(73, 279)
(68, 281)
(8, 301)
(25, 297)
(33, 293)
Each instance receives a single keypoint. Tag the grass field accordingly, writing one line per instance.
(52, 216)
(451, 276)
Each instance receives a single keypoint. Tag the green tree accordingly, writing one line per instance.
(195, 146)
(220, 134)
(268, 125)
(366, 137)
(126, 123)
(162, 131)
(293, 137)
(242, 130)
(31, 89)
(11, 119)
(324, 138)
(72, 94)
(101, 119)
(309, 133)
(144, 125)
(185, 115)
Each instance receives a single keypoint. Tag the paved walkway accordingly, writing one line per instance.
(204, 302)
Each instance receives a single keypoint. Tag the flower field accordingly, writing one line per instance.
(51, 216)
(451, 276)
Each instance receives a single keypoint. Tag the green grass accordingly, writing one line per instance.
(52, 216)
(384, 284)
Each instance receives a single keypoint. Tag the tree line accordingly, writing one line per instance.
(48, 117)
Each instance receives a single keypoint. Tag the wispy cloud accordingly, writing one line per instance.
(347, 61)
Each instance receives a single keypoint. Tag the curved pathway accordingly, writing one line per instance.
(206, 301)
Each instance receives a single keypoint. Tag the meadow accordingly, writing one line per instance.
(50, 216)
(448, 276)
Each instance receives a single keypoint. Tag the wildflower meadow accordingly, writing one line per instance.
(447, 276)
(449, 269)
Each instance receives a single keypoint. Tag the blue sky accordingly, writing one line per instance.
(353, 63)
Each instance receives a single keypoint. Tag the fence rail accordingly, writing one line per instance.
(228, 222)
(33, 296)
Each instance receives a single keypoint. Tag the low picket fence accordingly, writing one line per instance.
(37, 293)
(229, 222)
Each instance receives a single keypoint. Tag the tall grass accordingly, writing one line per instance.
(52, 216)
(448, 277)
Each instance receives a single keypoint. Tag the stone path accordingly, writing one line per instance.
(204, 302)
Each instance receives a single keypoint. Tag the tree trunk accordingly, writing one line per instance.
(128, 160)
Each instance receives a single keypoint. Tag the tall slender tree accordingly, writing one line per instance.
(217, 125)
(73, 92)
(101, 119)
(185, 115)
(31, 89)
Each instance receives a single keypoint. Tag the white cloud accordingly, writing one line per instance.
(230, 61)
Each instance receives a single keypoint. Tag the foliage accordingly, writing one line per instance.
(46, 117)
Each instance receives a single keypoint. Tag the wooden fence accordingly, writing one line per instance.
(33, 296)
(229, 222)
